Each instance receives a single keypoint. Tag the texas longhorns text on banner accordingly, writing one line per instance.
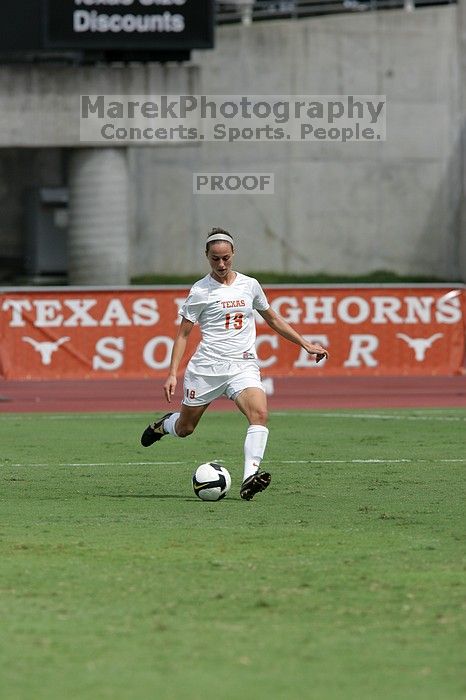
(46, 334)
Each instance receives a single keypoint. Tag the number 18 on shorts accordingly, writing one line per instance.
(201, 388)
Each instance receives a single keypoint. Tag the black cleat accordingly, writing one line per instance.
(154, 432)
(253, 484)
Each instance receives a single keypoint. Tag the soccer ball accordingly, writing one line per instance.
(211, 482)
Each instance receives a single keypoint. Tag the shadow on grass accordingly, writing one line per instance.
(162, 496)
(149, 495)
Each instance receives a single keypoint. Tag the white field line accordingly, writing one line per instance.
(70, 416)
(287, 461)
(94, 464)
(375, 416)
(310, 414)
(366, 461)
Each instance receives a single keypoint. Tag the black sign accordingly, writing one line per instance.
(128, 24)
(89, 31)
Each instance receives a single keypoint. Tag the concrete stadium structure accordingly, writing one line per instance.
(340, 208)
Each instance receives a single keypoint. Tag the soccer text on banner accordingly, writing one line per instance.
(74, 334)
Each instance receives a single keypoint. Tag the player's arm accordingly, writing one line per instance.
(178, 351)
(278, 324)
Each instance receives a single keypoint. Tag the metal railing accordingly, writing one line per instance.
(248, 11)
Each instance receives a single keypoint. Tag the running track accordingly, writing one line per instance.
(313, 393)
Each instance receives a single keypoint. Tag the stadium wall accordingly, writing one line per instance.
(342, 208)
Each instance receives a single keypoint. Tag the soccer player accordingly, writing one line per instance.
(225, 362)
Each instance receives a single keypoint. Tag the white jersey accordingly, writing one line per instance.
(225, 314)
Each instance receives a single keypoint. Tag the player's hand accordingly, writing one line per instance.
(169, 387)
(317, 350)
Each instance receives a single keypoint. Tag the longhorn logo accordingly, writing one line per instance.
(420, 345)
(45, 349)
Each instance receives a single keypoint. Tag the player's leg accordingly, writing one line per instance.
(184, 422)
(179, 424)
(198, 392)
(252, 402)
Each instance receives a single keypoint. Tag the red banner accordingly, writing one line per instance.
(75, 334)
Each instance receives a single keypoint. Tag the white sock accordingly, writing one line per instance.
(254, 448)
(169, 424)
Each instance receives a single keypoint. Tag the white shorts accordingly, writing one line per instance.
(205, 382)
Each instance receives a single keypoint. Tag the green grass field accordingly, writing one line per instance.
(346, 579)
